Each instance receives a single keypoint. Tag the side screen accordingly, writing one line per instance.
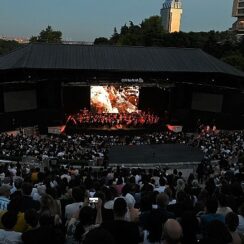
(114, 99)
(207, 102)
(20, 100)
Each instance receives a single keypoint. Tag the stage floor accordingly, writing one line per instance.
(154, 154)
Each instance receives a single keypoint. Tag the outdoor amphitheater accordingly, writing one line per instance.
(159, 127)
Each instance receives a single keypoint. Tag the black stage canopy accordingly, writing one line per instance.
(79, 63)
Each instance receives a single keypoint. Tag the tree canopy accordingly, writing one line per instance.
(223, 45)
(48, 35)
(7, 46)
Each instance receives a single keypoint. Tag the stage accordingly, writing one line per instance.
(154, 155)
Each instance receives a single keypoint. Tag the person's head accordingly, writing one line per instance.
(41, 176)
(172, 232)
(98, 236)
(162, 200)
(232, 221)
(222, 200)
(190, 226)
(18, 183)
(126, 189)
(46, 220)
(180, 184)
(31, 217)
(48, 203)
(195, 183)
(26, 188)
(120, 208)
(5, 191)
(181, 196)
(86, 218)
(169, 192)
(212, 205)
(107, 193)
(41, 189)
(9, 220)
(78, 194)
(146, 201)
(162, 181)
(16, 203)
(120, 180)
(218, 233)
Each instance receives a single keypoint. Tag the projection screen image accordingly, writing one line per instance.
(114, 99)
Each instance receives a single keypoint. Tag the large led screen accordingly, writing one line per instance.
(114, 99)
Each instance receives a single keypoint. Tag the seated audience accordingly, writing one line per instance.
(28, 201)
(122, 230)
(232, 221)
(172, 232)
(7, 234)
(4, 196)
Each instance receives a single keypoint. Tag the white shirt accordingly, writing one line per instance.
(130, 200)
(109, 204)
(72, 209)
(2, 176)
(224, 210)
(240, 227)
(4, 203)
(160, 189)
(137, 178)
(7, 237)
(68, 177)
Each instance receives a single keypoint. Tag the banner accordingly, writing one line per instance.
(175, 128)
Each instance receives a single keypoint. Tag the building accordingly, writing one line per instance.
(171, 15)
(41, 83)
(238, 12)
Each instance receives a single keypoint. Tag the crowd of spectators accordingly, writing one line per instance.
(57, 205)
(78, 146)
(87, 118)
(223, 146)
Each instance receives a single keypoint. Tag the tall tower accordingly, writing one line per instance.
(171, 15)
(238, 11)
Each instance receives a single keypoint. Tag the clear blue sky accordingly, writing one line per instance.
(87, 19)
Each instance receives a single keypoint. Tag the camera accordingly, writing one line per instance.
(93, 199)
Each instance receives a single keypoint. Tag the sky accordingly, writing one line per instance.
(84, 20)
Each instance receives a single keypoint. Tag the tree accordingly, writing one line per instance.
(223, 45)
(7, 46)
(241, 46)
(48, 35)
(115, 37)
(235, 60)
(152, 31)
(101, 41)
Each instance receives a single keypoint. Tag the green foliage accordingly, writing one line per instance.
(223, 45)
(7, 46)
(101, 41)
(115, 37)
(152, 31)
(48, 35)
(236, 60)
